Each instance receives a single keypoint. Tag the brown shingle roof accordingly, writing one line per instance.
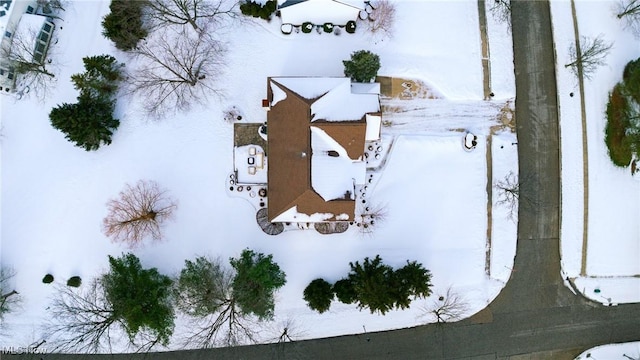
(289, 146)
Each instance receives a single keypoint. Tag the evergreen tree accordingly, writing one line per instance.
(379, 288)
(362, 67)
(101, 77)
(88, 123)
(140, 298)
(123, 25)
(318, 295)
(373, 283)
(203, 287)
(344, 291)
(411, 280)
(257, 278)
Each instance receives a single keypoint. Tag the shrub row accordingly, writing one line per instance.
(372, 285)
(257, 10)
(74, 281)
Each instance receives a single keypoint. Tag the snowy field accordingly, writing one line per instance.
(613, 236)
(53, 194)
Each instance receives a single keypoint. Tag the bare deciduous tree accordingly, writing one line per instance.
(51, 8)
(81, 321)
(371, 216)
(138, 212)
(9, 297)
(34, 69)
(85, 321)
(629, 12)
(509, 193)
(588, 56)
(501, 11)
(204, 293)
(287, 330)
(199, 14)
(382, 18)
(629, 8)
(176, 70)
(447, 308)
(228, 327)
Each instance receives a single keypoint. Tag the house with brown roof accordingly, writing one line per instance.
(317, 128)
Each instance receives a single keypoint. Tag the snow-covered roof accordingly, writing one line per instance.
(373, 127)
(293, 215)
(311, 87)
(333, 173)
(27, 31)
(320, 11)
(278, 93)
(310, 121)
(333, 97)
(340, 104)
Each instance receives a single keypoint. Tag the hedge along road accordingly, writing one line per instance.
(535, 316)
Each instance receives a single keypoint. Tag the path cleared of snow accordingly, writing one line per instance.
(54, 195)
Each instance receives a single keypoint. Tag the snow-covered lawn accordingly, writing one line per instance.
(613, 236)
(630, 350)
(53, 194)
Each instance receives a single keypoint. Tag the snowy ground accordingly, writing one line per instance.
(624, 351)
(53, 194)
(613, 236)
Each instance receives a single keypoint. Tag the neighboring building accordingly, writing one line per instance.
(337, 12)
(317, 131)
(19, 22)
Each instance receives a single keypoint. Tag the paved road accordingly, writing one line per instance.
(535, 316)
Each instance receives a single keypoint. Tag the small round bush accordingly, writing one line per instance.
(47, 279)
(328, 27)
(74, 281)
(344, 291)
(318, 295)
(351, 27)
(307, 27)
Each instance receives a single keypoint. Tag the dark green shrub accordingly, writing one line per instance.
(123, 25)
(344, 291)
(318, 295)
(350, 27)
(74, 281)
(327, 27)
(617, 127)
(631, 79)
(254, 9)
(363, 66)
(47, 279)
(307, 27)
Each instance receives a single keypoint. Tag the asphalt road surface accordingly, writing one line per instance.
(535, 316)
